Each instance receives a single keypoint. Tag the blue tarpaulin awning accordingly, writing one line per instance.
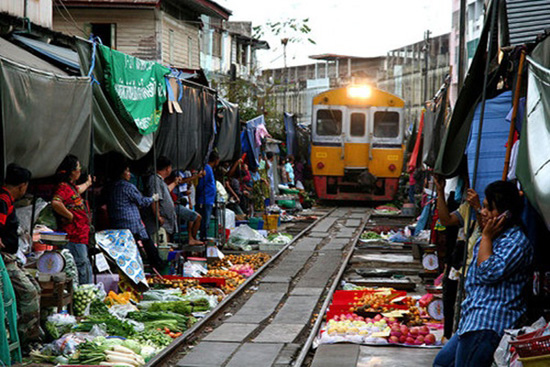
(60, 54)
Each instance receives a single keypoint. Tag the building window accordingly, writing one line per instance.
(217, 44)
(171, 46)
(106, 33)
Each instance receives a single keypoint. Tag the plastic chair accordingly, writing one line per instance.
(10, 348)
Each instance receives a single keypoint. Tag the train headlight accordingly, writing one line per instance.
(320, 165)
(392, 167)
(359, 91)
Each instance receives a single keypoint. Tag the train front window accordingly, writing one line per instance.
(329, 122)
(386, 124)
(357, 124)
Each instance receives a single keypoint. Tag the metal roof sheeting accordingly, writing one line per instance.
(527, 19)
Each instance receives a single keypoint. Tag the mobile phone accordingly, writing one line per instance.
(507, 214)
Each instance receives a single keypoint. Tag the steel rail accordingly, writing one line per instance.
(307, 346)
(167, 352)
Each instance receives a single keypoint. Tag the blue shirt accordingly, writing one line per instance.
(124, 203)
(206, 189)
(495, 299)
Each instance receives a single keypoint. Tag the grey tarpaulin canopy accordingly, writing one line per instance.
(44, 117)
(533, 168)
(111, 132)
(228, 139)
(185, 137)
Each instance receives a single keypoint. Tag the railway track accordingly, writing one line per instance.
(272, 318)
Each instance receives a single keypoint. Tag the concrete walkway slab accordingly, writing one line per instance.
(287, 355)
(307, 292)
(231, 333)
(325, 224)
(258, 308)
(296, 310)
(354, 223)
(341, 355)
(202, 356)
(307, 244)
(395, 357)
(273, 287)
(277, 279)
(318, 234)
(255, 355)
(279, 333)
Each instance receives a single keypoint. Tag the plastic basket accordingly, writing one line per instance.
(532, 344)
(540, 361)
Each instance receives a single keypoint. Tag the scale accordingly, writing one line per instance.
(52, 262)
(430, 262)
(435, 309)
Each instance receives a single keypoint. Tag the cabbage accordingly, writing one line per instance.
(133, 345)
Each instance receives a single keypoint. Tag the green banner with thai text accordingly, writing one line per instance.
(138, 87)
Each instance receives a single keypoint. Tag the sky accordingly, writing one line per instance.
(346, 27)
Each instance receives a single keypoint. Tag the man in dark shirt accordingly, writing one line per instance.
(27, 290)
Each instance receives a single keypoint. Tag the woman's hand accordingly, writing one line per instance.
(473, 199)
(493, 227)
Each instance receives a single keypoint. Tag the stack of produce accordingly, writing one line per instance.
(183, 284)
(83, 296)
(232, 279)
(255, 261)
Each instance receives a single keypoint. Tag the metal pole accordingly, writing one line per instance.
(514, 116)
(461, 43)
(284, 41)
(494, 10)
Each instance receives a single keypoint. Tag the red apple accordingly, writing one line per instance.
(414, 331)
(395, 333)
(393, 340)
(409, 341)
(419, 340)
(378, 317)
(404, 330)
(424, 330)
(429, 339)
(402, 339)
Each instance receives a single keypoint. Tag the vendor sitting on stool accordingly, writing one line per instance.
(27, 290)
(497, 277)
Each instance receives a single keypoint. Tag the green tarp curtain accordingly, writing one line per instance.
(112, 133)
(44, 117)
(533, 166)
(228, 139)
(138, 87)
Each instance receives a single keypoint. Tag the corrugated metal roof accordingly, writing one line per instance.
(527, 19)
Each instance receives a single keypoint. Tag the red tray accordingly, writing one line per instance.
(338, 309)
(346, 297)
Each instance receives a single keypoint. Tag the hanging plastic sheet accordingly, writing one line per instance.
(111, 132)
(44, 117)
(533, 168)
(121, 247)
(185, 137)
(413, 161)
(494, 137)
(250, 144)
(434, 129)
(290, 129)
(228, 139)
(456, 137)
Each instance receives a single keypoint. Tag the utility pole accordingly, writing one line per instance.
(284, 41)
(426, 49)
(461, 43)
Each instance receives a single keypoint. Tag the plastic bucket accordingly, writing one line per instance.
(271, 221)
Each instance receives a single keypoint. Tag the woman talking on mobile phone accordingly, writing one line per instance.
(495, 283)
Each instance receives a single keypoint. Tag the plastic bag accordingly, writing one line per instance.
(162, 295)
(121, 311)
(280, 238)
(230, 219)
(194, 294)
(193, 270)
(244, 236)
(67, 343)
(84, 295)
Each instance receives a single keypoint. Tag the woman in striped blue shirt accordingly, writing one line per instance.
(495, 283)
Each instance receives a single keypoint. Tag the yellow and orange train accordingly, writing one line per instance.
(357, 144)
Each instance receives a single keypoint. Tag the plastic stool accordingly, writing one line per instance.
(10, 348)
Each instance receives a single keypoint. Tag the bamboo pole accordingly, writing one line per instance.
(514, 116)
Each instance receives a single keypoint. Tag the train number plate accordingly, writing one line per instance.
(393, 158)
(321, 155)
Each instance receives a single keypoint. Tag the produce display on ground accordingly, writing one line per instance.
(380, 316)
(122, 329)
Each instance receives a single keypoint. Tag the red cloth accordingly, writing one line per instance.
(416, 151)
(78, 230)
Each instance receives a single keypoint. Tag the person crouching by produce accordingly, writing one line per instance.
(73, 214)
(497, 277)
(206, 193)
(123, 203)
(27, 290)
